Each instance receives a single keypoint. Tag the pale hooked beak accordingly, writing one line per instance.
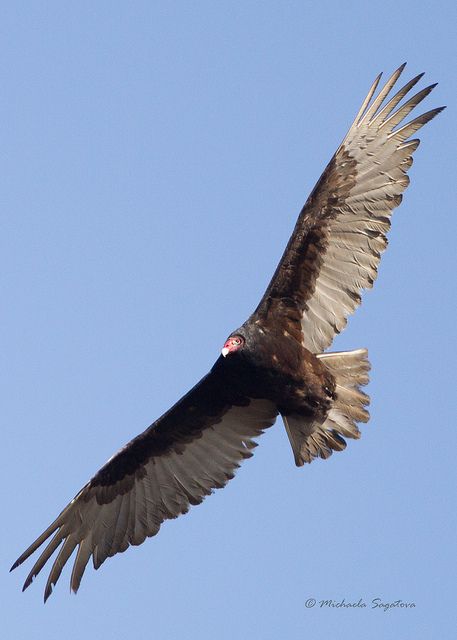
(225, 351)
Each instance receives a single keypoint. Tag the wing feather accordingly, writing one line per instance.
(83, 555)
(192, 450)
(370, 111)
(334, 251)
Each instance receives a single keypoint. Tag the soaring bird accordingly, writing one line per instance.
(274, 364)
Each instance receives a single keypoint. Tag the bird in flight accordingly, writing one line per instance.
(274, 364)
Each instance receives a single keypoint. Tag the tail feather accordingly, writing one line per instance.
(312, 439)
(350, 369)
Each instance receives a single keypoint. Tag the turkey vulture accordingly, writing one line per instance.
(273, 364)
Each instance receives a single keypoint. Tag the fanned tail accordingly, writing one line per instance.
(350, 369)
(312, 439)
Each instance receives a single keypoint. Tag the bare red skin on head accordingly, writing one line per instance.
(232, 344)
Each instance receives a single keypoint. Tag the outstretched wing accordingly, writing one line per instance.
(337, 242)
(194, 448)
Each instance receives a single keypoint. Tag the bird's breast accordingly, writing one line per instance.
(283, 371)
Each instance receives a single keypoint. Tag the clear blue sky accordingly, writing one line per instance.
(154, 158)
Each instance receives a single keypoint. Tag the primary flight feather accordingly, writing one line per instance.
(273, 364)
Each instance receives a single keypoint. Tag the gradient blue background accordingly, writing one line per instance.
(154, 157)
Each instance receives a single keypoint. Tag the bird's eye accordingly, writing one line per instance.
(237, 341)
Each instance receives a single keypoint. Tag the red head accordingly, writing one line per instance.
(232, 344)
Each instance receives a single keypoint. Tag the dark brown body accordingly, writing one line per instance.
(274, 365)
(317, 395)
